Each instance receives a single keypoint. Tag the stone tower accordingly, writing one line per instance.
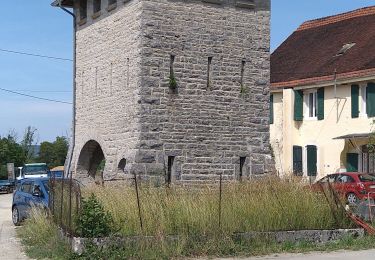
(172, 90)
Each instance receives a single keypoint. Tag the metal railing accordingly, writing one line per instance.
(65, 202)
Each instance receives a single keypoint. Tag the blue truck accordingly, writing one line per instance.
(6, 186)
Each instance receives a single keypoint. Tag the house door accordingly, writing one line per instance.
(367, 161)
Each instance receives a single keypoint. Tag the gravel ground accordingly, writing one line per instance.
(10, 246)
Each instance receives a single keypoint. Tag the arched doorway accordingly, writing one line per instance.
(91, 159)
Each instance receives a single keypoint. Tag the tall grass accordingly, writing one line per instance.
(264, 205)
(41, 238)
(193, 215)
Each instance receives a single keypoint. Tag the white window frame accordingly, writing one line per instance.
(363, 100)
(306, 102)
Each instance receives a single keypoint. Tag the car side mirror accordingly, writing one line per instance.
(37, 194)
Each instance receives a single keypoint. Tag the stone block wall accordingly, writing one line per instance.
(218, 54)
(108, 58)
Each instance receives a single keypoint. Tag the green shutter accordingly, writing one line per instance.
(320, 112)
(297, 161)
(352, 162)
(370, 99)
(298, 105)
(355, 101)
(271, 109)
(312, 159)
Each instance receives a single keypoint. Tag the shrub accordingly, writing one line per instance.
(93, 220)
(172, 82)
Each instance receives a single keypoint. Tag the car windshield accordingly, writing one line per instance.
(46, 185)
(366, 178)
(329, 178)
(35, 169)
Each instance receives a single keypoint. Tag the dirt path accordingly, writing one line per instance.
(10, 247)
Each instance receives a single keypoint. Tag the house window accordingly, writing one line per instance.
(363, 100)
(355, 100)
(97, 6)
(310, 104)
(83, 9)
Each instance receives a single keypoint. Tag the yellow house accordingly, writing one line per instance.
(323, 96)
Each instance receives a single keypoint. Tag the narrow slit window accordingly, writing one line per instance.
(96, 81)
(209, 72)
(242, 71)
(97, 6)
(171, 65)
(242, 167)
(170, 169)
(172, 78)
(128, 72)
(83, 9)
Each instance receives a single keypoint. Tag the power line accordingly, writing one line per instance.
(30, 96)
(36, 55)
(43, 91)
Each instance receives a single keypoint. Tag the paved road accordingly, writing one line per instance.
(10, 247)
(341, 255)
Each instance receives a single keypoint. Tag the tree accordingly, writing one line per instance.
(10, 152)
(28, 142)
(54, 154)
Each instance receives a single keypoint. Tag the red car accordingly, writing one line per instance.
(353, 185)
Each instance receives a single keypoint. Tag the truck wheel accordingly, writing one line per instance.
(15, 216)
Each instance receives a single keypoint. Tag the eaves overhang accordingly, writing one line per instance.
(353, 76)
(64, 3)
(353, 136)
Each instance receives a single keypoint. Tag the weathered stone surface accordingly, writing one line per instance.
(312, 236)
(124, 101)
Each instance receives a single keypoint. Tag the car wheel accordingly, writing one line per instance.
(352, 198)
(15, 216)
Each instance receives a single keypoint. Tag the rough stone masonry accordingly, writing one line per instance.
(173, 91)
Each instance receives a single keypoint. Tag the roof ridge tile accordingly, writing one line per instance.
(337, 18)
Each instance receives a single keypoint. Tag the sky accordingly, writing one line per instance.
(41, 29)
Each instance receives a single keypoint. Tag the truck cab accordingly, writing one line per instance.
(33, 170)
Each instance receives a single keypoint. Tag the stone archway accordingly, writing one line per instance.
(91, 159)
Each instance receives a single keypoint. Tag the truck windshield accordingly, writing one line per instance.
(35, 169)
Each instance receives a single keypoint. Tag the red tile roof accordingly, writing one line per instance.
(309, 55)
